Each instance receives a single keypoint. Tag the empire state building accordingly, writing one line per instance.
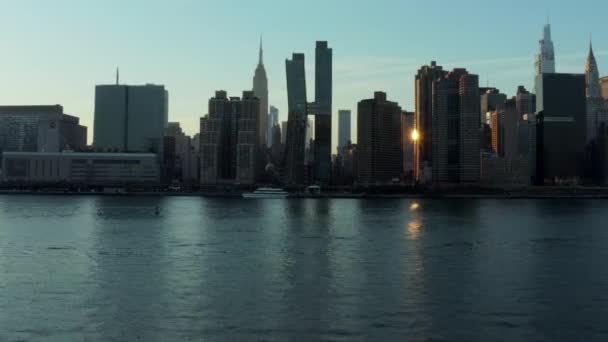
(260, 90)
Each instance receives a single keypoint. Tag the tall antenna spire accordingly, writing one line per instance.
(117, 76)
(261, 52)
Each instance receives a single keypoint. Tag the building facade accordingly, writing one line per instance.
(491, 100)
(424, 80)
(456, 128)
(40, 129)
(379, 141)
(561, 112)
(408, 143)
(300, 108)
(185, 163)
(87, 169)
(344, 132)
(130, 118)
(229, 140)
(322, 110)
(273, 120)
(295, 139)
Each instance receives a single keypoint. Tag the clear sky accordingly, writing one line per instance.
(55, 52)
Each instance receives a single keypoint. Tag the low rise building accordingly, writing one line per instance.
(89, 169)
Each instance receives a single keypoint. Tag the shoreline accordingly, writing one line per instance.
(547, 195)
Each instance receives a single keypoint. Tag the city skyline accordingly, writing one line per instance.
(77, 54)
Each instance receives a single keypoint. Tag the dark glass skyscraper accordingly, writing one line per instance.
(322, 111)
(299, 109)
(456, 128)
(379, 139)
(561, 129)
(296, 120)
(423, 118)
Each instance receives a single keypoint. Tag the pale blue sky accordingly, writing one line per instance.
(57, 51)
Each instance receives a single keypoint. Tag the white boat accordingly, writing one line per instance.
(266, 193)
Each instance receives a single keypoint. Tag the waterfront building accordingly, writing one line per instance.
(260, 90)
(229, 140)
(498, 171)
(409, 138)
(300, 108)
(295, 140)
(424, 79)
(322, 111)
(40, 129)
(559, 139)
(130, 118)
(456, 129)
(379, 141)
(81, 169)
(344, 125)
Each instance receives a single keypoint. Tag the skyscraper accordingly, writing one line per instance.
(260, 90)
(130, 118)
(525, 102)
(423, 118)
(596, 105)
(344, 135)
(379, 144)
(295, 139)
(408, 143)
(558, 150)
(322, 111)
(273, 120)
(456, 147)
(545, 60)
(299, 109)
(490, 101)
(229, 140)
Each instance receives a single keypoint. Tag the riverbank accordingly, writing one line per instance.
(527, 193)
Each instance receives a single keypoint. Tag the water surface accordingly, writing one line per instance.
(108, 269)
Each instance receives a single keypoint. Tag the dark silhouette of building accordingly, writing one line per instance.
(260, 90)
(322, 111)
(277, 148)
(456, 128)
(423, 117)
(379, 149)
(490, 101)
(229, 140)
(295, 139)
(560, 129)
(408, 143)
(299, 108)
